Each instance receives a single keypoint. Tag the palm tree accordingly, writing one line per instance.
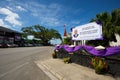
(110, 24)
(116, 20)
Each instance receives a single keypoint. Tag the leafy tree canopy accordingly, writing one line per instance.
(42, 33)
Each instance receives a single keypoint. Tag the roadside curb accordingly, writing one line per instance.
(56, 74)
(48, 71)
(57, 70)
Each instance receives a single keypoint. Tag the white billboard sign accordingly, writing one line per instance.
(90, 31)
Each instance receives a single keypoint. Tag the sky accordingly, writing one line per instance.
(16, 14)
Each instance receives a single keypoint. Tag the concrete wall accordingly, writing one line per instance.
(112, 43)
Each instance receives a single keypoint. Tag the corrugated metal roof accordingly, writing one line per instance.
(7, 30)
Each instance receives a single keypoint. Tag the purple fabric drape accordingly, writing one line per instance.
(90, 49)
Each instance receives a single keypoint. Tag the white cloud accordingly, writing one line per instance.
(52, 14)
(48, 14)
(51, 21)
(20, 8)
(2, 23)
(11, 17)
(9, 8)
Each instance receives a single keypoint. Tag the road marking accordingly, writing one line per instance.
(16, 68)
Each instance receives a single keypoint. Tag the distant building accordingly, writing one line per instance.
(9, 37)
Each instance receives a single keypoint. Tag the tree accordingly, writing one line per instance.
(116, 17)
(42, 33)
(27, 31)
(67, 41)
(111, 25)
(116, 20)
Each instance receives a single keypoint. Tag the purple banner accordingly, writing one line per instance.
(90, 49)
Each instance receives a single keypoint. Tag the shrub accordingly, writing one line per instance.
(99, 65)
(54, 55)
(66, 60)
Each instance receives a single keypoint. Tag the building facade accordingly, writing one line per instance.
(9, 37)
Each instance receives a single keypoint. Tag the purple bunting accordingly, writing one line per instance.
(90, 49)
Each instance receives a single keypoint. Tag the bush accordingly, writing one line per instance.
(66, 60)
(99, 65)
(54, 55)
(67, 41)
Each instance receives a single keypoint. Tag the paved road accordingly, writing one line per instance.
(18, 63)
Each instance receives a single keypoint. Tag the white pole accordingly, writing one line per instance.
(82, 42)
(74, 43)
